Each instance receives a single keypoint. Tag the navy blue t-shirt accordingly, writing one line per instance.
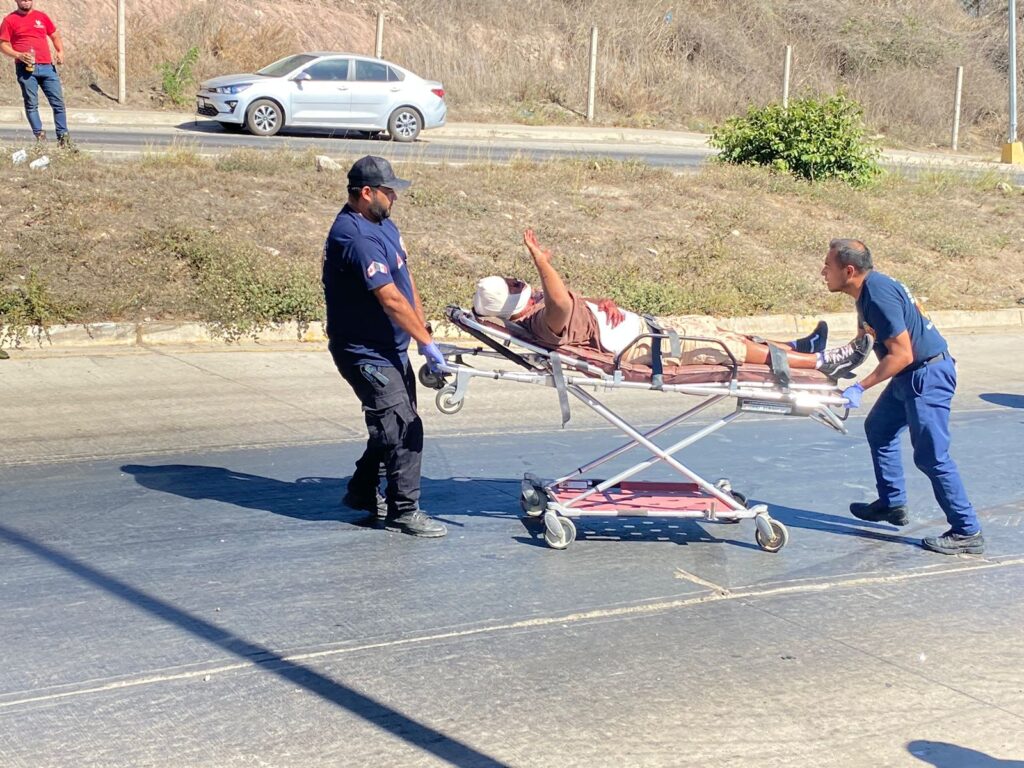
(359, 257)
(886, 308)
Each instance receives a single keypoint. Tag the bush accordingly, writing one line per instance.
(239, 289)
(28, 306)
(813, 138)
(177, 79)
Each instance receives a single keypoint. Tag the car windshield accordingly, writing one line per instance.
(284, 66)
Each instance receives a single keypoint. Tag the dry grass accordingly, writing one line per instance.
(239, 239)
(528, 60)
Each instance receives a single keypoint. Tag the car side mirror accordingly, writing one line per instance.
(302, 76)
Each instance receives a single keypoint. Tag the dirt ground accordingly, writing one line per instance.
(238, 239)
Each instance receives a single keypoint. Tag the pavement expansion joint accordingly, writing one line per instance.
(273, 658)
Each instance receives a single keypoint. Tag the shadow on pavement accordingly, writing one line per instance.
(318, 498)
(839, 525)
(943, 755)
(450, 500)
(1003, 398)
(202, 125)
(396, 723)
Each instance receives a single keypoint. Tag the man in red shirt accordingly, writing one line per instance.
(23, 36)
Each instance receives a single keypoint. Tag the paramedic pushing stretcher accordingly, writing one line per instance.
(373, 310)
(914, 358)
(560, 317)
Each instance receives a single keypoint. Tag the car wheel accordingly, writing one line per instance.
(264, 118)
(404, 124)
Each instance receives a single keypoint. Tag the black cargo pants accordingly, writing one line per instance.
(394, 449)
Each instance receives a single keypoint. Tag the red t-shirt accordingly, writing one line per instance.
(28, 31)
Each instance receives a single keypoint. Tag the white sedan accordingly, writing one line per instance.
(326, 90)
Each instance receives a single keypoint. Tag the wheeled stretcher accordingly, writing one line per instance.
(764, 389)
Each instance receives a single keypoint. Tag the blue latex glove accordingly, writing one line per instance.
(435, 360)
(853, 395)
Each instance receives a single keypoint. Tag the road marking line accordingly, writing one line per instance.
(642, 609)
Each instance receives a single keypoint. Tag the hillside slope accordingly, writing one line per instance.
(673, 63)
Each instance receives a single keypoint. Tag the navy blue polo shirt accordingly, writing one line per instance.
(359, 257)
(886, 308)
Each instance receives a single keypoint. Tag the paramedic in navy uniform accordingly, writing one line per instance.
(372, 311)
(915, 360)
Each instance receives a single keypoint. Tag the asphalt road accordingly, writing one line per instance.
(180, 587)
(207, 136)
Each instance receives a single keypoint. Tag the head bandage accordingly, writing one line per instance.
(493, 298)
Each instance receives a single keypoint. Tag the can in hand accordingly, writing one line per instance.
(30, 65)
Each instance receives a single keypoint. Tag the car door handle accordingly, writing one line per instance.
(342, 87)
(395, 89)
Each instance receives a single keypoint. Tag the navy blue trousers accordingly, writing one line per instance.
(919, 400)
(394, 446)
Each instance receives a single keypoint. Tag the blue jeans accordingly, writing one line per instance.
(45, 77)
(919, 400)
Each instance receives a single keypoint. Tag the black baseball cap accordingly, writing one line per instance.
(371, 171)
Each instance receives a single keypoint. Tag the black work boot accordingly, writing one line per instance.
(877, 512)
(840, 363)
(377, 506)
(951, 543)
(416, 523)
(815, 341)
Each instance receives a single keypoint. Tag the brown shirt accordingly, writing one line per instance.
(580, 330)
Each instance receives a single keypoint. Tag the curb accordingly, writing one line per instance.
(154, 334)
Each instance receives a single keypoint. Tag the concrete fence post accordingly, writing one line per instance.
(378, 46)
(592, 84)
(955, 143)
(121, 57)
(786, 65)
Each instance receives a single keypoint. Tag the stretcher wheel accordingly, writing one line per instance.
(559, 532)
(532, 502)
(429, 379)
(444, 401)
(778, 540)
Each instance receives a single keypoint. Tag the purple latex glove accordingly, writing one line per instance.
(854, 394)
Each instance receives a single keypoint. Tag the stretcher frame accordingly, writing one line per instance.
(558, 501)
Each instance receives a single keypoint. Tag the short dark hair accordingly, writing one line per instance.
(852, 253)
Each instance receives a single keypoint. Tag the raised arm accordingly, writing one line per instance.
(557, 302)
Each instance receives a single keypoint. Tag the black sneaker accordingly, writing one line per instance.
(416, 523)
(378, 506)
(815, 341)
(951, 543)
(840, 363)
(877, 512)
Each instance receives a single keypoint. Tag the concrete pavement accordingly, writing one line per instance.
(180, 587)
(78, 403)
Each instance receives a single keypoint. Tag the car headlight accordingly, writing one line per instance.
(238, 88)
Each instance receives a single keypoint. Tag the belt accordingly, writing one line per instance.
(933, 359)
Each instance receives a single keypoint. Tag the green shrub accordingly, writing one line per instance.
(240, 289)
(29, 305)
(813, 138)
(177, 79)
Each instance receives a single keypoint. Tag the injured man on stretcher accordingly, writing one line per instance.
(559, 316)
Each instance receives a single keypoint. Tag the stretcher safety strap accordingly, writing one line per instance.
(779, 362)
(558, 377)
